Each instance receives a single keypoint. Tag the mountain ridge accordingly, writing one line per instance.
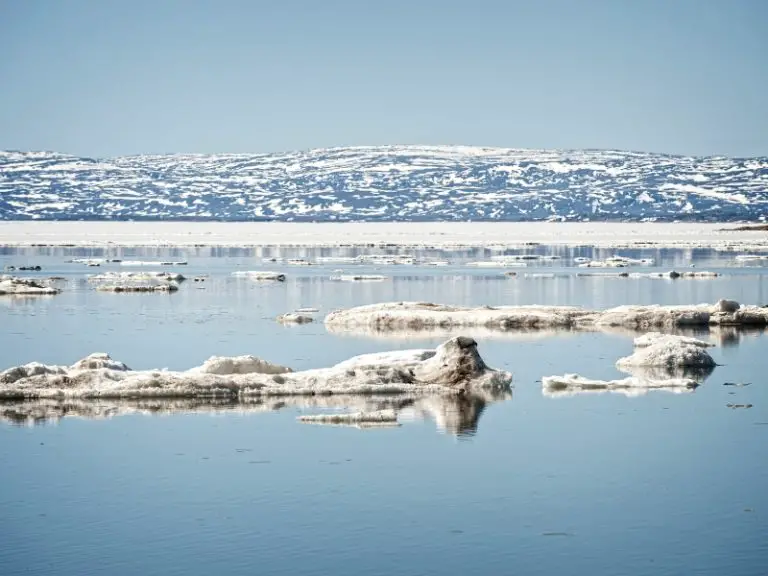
(385, 183)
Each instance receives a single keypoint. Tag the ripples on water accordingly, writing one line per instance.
(596, 484)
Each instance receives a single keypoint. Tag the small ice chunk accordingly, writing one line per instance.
(571, 384)
(260, 275)
(376, 417)
(152, 263)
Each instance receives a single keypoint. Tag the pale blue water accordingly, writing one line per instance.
(600, 484)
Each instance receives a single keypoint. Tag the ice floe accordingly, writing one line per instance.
(260, 275)
(10, 285)
(119, 288)
(153, 263)
(751, 257)
(454, 367)
(572, 384)
(659, 362)
(425, 315)
(136, 276)
(497, 264)
(672, 275)
(615, 262)
(358, 277)
(668, 351)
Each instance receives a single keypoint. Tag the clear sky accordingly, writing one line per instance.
(109, 77)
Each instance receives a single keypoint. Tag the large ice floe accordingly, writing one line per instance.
(11, 285)
(451, 384)
(454, 367)
(659, 362)
(415, 316)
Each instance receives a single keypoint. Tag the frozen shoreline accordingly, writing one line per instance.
(427, 234)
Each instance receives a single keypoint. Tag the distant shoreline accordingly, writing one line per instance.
(104, 234)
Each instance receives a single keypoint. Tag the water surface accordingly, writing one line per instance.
(598, 484)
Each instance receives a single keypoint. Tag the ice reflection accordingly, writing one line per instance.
(456, 415)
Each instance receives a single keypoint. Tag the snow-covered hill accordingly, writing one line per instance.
(385, 183)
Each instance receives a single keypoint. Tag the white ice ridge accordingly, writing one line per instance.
(454, 367)
(425, 315)
(11, 285)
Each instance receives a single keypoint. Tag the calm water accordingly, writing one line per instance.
(597, 484)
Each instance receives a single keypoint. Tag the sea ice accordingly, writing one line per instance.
(420, 315)
(454, 367)
(10, 285)
(669, 351)
(119, 288)
(571, 384)
(136, 276)
(751, 257)
(425, 315)
(152, 263)
(259, 275)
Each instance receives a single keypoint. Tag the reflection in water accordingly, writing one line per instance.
(457, 415)
(725, 336)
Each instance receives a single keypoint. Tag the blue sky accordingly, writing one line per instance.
(102, 78)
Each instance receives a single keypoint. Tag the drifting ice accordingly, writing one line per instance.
(659, 362)
(666, 350)
(424, 315)
(10, 285)
(454, 367)
(260, 275)
(571, 384)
